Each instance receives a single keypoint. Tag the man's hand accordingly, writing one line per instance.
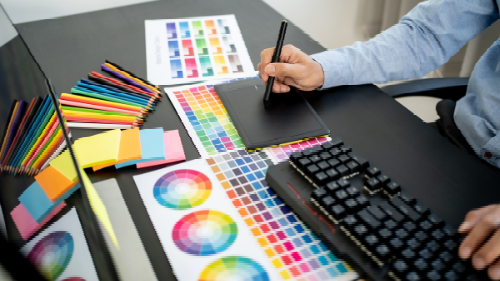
(482, 244)
(295, 69)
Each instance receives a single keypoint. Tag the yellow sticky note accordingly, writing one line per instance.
(99, 208)
(64, 164)
(130, 148)
(98, 149)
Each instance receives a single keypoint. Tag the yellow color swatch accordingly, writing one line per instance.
(98, 149)
(130, 148)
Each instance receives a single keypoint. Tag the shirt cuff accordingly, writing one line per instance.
(491, 151)
(336, 68)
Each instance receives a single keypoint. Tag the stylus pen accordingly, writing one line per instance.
(276, 58)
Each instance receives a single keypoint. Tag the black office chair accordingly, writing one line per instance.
(443, 88)
(449, 90)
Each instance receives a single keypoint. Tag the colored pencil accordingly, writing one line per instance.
(98, 107)
(95, 101)
(154, 88)
(12, 111)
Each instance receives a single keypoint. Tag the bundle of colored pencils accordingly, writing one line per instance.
(32, 137)
(101, 102)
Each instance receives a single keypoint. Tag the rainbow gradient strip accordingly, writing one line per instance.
(204, 233)
(182, 189)
(234, 268)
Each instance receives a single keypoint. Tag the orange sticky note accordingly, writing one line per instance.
(53, 182)
(130, 148)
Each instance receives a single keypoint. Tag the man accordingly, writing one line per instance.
(423, 40)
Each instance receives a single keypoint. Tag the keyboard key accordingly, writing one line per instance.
(343, 183)
(360, 230)
(383, 179)
(413, 276)
(332, 187)
(396, 244)
(432, 246)
(323, 165)
(318, 194)
(407, 198)
(327, 145)
(385, 234)
(302, 163)
(321, 178)
(315, 159)
(371, 241)
(372, 184)
(343, 170)
(362, 201)
(344, 158)
(312, 169)
(307, 153)
(446, 256)
(333, 162)
(451, 245)
(372, 172)
(390, 224)
(335, 152)
(438, 264)
(382, 252)
(362, 162)
(401, 234)
(327, 202)
(353, 166)
(435, 220)
(393, 213)
(405, 209)
(421, 264)
(325, 155)
(336, 142)
(350, 221)
(410, 226)
(352, 191)
(368, 220)
(295, 156)
(421, 236)
(434, 275)
(345, 149)
(333, 174)
(426, 254)
(341, 195)
(413, 243)
(451, 276)
(392, 188)
(426, 225)
(422, 210)
(377, 213)
(408, 254)
(400, 268)
(459, 267)
(351, 205)
(449, 231)
(437, 235)
(338, 212)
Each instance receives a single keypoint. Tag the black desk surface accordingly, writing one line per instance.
(373, 123)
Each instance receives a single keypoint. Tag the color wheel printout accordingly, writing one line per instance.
(61, 252)
(195, 49)
(201, 233)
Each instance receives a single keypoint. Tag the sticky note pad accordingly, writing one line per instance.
(26, 224)
(36, 202)
(64, 164)
(98, 149)
(152, 147)
(130, 148)
(53, 182)
(173, 150)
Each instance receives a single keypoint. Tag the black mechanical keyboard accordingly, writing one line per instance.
(403, 238)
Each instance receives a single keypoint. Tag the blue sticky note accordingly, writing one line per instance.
(36, 202)
(152, 147)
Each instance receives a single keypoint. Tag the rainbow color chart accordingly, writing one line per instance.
(52, 254)
(182, 189)
(208, 240)
(293, 250)
(205, 118)
(204, 233)
(180, 51)
(234, 268)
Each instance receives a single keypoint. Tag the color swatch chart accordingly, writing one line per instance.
(60, 252)
(293, 250)
(205, 119)
(201, 232)
(195, 49)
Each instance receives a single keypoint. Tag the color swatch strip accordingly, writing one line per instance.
(295, 252)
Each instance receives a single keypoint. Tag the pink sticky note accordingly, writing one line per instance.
(173, 150)
(26, 224)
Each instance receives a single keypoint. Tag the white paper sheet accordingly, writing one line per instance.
(80, 261)
(195, 49)
(188, 266)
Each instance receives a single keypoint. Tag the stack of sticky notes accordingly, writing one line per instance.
(45, 197)
(102, 102)
(32, 137)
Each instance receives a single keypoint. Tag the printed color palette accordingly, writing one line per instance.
(205, 119)
(52, 254)
(234, 268)
(207, 41)
(294, 251)
(204, 233)
(182, 189)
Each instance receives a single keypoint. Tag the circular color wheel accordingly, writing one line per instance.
(204, 233)
(182, 189)
(52, 254)
(234, 269)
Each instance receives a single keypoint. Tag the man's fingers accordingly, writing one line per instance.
(494, 271)
(473, 217)
(294, 71)
(481, 231)
(279, 87)
(266, 56)
(488, 253)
